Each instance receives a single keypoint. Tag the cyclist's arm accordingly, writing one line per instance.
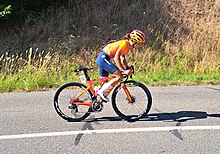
(123, 61)
(117, 60)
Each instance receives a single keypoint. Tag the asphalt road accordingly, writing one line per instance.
(183, 119)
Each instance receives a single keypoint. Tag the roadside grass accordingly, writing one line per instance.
(37, 80)
(187, 78)
(183, 46)
(35, 72)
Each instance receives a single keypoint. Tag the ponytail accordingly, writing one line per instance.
(127, 36)
(111, 41)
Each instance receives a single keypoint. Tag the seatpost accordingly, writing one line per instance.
(86, 75)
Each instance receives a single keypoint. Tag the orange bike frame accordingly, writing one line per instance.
(90, 87)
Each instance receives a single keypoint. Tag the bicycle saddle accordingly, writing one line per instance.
(82, 68)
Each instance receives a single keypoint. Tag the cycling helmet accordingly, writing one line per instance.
(137, 36)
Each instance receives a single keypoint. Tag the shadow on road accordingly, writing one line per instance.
(181, 116)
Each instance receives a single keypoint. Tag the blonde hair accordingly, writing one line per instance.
(127, 36)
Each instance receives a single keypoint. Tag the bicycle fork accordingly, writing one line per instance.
(130, 100)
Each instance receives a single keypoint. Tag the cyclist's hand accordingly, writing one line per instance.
(128, 72)
(128, 67)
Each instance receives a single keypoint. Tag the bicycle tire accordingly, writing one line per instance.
(119, 98)
(67, 92)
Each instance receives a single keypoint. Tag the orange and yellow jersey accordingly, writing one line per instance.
(123, 46)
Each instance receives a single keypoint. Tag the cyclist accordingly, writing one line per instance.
(117, 51)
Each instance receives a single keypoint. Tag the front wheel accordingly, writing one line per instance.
(63, 98)
(141, 101)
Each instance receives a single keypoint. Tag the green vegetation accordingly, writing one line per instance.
(5, 11)
(42, 72)
(183, 46)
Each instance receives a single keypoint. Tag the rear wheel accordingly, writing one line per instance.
(141, 101)
(63, 98)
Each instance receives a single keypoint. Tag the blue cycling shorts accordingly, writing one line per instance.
(105, 65)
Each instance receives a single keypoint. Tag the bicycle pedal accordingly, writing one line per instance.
(101, 100)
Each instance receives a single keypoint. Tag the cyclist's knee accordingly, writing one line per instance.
(118, 76)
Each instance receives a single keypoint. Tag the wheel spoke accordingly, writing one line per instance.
(63, 98)
(141, 97)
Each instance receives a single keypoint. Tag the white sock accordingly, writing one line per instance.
(105, 87)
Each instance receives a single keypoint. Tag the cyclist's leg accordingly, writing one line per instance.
(103, 72)
(117, 79)
(109, 85)
(106, 67)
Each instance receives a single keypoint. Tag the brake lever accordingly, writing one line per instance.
(132, 69)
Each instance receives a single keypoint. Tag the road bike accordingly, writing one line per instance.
(75, 101)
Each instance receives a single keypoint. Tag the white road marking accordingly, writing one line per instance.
(104, 131)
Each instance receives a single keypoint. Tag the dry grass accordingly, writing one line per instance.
(92, 24)
(184, 37)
